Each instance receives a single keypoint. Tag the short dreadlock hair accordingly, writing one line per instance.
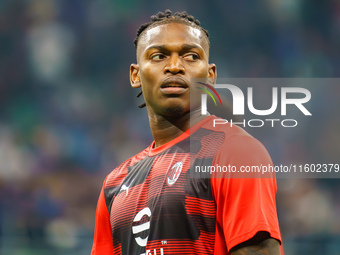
(168, 17)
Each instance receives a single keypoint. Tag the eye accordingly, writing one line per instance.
(158, 56)
(191, 56)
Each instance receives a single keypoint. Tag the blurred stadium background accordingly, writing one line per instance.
(68, 114)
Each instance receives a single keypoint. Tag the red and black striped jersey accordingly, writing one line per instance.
(162, 201)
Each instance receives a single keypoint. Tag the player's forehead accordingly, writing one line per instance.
(172, 34)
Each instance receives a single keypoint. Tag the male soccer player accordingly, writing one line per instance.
(151, 203)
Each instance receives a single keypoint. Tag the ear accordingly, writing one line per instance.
(134, 76)
(212, 73)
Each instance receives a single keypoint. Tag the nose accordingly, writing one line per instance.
(174, 65)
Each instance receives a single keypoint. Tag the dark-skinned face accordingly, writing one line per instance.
(168, 56)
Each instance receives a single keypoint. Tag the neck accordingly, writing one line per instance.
(166, 128)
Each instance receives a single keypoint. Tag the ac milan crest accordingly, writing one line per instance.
(174, 173)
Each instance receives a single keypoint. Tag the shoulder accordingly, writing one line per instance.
(236, 149)
(236, 141)
(115, 177)
(229, 130)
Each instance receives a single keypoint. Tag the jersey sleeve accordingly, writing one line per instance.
(102, 242)
(245, 204)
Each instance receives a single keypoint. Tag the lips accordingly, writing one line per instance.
(174, 82)
(174, 85)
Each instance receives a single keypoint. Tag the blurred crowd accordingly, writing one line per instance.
(68, 114)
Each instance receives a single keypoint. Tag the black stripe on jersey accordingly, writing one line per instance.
(136, 175)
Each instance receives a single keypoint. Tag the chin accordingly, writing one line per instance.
(175, 111)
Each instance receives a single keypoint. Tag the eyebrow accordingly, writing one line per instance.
(184, 47)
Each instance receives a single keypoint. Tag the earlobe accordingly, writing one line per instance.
(212, 74)
(134, 76)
